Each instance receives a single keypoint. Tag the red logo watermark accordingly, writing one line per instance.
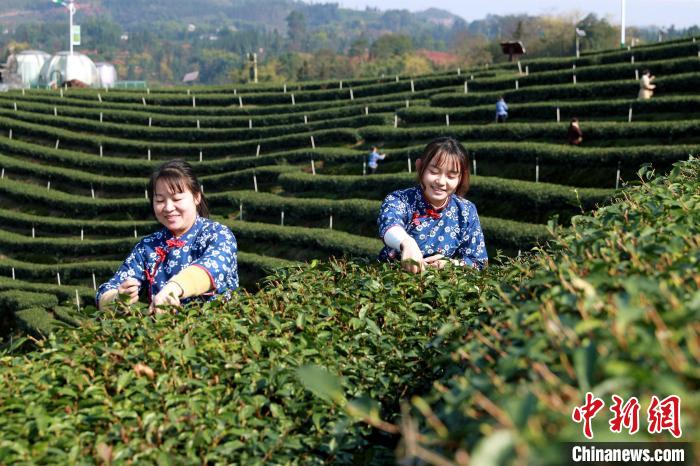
(662, 415)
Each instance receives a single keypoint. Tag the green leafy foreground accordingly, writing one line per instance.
(342, 362)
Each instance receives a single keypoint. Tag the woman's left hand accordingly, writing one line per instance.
(169, 295)
(437, 261)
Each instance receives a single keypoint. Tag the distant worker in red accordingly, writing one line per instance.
(574, 133)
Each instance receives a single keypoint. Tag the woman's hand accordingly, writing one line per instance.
(130, 287)
(169, 295)
(411, 256)
(437, 261)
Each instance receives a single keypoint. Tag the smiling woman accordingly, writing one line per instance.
(190, 256)
(432, 223)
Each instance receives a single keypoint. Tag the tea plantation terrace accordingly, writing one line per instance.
(282, 165)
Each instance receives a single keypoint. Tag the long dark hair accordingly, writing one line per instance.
(446, 148)
(180, 177)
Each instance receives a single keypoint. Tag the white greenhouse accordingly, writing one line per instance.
(64, 67)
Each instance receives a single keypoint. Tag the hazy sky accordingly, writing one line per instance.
(681, 13)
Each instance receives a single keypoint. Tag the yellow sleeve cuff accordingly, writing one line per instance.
(193, 280)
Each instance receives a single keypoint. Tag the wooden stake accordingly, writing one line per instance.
(520, 68)
(466, 87)
(55, 112)
(145, 193)
(558, 115)
(33, 232)
(94, 282)
(99, 97)
(149, 154)
(396, 121)
(240, 211)
(282, 216)
(92, 192)
(447, 120)
(101, 118)
(407, 103)
(250, 123)
(364, 168)
(293, 101)
(13, 273)
(537, 170)
(330, 223)
(82, 235)
(136, 234)
(57, 143)
(240, 101)
(629, 116)
(366, 110)
(474, 165)
(200, 155)
(15, 106)
(143, 99)
(284, 89)
(516, 84)
(48, 185)
(257, 151)
(313, 167)
(617, 176)
(636, 75)
(313, 144)
(255, 183)
(306, 119)
(340, 85)
(413, 88)
(574, 79)
(352, 96)
(408, 160)
(150, 122)
(10, 135)
(100, 151)
(194, 102)
(58, 278)
(199, 126)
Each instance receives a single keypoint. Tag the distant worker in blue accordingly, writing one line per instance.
(374, 156)
(432, 224)
(501, 110)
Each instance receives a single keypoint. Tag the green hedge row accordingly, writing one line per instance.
(190, 121)
(596, 132)
(677, 107)
(141, 168)
(228, 375)
(64, 181)
(587, 74)
(666, 85)
(294, 243)
(191, 135)
(381, 90)
(524, 201)
(643, 53)
(163, 150)
(233, 110)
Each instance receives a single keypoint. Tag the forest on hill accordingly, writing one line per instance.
(159, 42)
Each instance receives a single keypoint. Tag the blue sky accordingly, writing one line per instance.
(681, 13)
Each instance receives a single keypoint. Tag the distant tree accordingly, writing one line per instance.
(600, 34)
(390, 45)
(359, 47)
(473, 50)
(415, 65)
(296, 29)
